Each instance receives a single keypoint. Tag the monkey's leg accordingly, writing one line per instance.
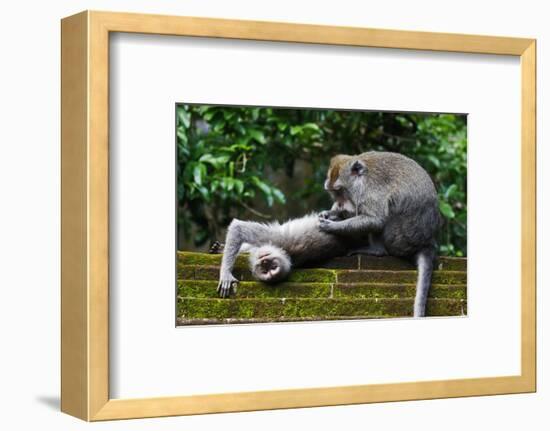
(424, 262)
(375, 247)
(371, 250)
(238, 233)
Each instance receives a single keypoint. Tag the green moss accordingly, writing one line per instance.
(394, 263)
(193, 258)
(228, 308)
(186, 272)
(400, 277)
(452, 263)
(449, 277)
(456, 291)
(193, 308)
(313, 275)
(376, 276)
(191, 272)
(446, 307)
(254, 289)
(387, 290)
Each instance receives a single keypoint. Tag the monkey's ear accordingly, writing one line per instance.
(358, 168)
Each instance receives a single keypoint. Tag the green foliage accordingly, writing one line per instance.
(225, 156)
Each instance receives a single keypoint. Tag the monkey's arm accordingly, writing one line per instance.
(359, 224)
(238, 233)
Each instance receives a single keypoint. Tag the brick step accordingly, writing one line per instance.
(348, 262)
(285, 309)
(323, 275)
(254, 289)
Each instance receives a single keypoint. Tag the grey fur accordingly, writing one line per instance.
(396, 202)
(293, 243)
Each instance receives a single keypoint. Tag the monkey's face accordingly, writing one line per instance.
(346, 180)
(270, 264)
(333, 184)
(352, 178)
(268, 269)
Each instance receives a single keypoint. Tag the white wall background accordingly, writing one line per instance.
(29, 215)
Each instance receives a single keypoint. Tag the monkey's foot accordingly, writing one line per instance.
(216, 248)
(226, 285)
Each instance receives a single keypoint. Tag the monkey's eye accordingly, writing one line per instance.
(358, 168)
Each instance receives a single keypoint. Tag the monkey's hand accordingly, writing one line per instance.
(216, 248)
(327, 225)
(226, 285)
(329, 215)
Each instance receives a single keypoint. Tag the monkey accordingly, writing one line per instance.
(396, 203)
(343, 208)
(275, 248)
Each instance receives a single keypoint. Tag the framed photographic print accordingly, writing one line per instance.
(261, 172)
(264, 215)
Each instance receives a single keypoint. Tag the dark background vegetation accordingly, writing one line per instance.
(270, 163)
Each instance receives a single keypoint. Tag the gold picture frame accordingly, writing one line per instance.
(85, 220)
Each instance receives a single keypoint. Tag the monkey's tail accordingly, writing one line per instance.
(425, 264)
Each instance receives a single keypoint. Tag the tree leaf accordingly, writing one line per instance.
(239, 186)
(216, 162)
(184, 117)
(199, 171)
(450, 191)
(266, 190)
(446, 210)
(434, 160)
(279, 195)
(257, 135)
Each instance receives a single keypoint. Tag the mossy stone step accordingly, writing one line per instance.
(393, 290)
(383, 276)
(255, 289)
(347, 262)
(322, 275)
(324, 309)
(352, 287)
(394, 263)
(314, 275)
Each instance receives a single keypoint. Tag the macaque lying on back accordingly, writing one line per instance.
(275, 248)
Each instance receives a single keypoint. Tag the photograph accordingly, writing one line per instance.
(309, 214)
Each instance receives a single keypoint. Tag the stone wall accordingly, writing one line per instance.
(355, 287)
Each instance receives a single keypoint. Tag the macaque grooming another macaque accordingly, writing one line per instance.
(396, 205)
